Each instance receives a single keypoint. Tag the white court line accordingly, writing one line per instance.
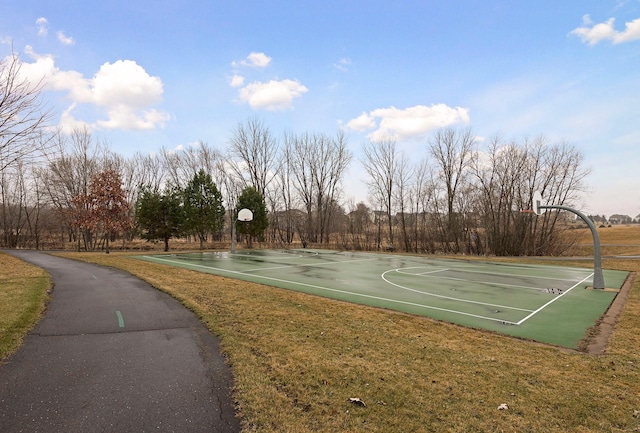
(451, 298)
(338, 291)
(554, 300)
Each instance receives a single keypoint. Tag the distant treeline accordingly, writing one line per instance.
(457, 195)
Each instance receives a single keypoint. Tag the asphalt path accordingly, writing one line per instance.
(113, 354)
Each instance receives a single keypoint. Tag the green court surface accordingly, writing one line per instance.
(549, 304)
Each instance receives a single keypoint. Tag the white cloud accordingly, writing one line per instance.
(124, 117)
(259, 60)
(362, 123)
(125, 83)
(254, 60)
(124, 90)
(343, 64)
(68, 123)
(412, 122)
(273, 95)
(43, 26)
(64, 39)
(236, 81)
(43, 69)
(592, 34)
(43, 30)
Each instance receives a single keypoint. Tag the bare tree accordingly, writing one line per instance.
(332, 158)
(317, 164)
(281, 198)
(75, 159)
(180, 166)
(253, 154)
(141, 170)
(557, 172)
(421, 197)
(381, 163)
(452, 151)
(402, 197)
(23, 115)
(13, 204)
(40, 217)
(358, 227)
(171, 166)
(26, 215)
(300, 166)
(507, 176)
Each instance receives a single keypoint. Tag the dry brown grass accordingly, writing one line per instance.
(297, 359)
(618, 234)
(23, 290)
(618, 240)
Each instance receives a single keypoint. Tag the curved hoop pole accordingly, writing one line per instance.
(598, 278)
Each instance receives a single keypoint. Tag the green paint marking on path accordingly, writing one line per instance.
(120, 319)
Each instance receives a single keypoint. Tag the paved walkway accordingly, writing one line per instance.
(112, 354)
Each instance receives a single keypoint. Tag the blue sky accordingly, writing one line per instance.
(151, 74)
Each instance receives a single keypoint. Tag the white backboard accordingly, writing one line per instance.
(537, 202)
(245, 215)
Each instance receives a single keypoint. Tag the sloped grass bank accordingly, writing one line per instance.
(23, 294)
(298, 359)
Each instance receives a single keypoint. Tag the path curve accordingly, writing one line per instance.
(113, 354)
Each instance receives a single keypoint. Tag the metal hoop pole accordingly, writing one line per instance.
(233, 237)
(598, 278)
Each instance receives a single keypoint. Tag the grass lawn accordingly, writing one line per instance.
(23, 293)
(298, 359)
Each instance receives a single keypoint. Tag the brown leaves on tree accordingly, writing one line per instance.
(104, 208)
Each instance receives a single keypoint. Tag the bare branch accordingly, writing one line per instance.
(23, 115)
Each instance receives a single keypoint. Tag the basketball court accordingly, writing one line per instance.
(549, 304)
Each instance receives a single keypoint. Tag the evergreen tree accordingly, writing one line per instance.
(251, 199)
(159, 214)
(203, 209)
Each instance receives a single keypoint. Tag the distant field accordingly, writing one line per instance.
(619, 240)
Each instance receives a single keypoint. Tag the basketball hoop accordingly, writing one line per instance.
(539, 208)
(244, 215)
